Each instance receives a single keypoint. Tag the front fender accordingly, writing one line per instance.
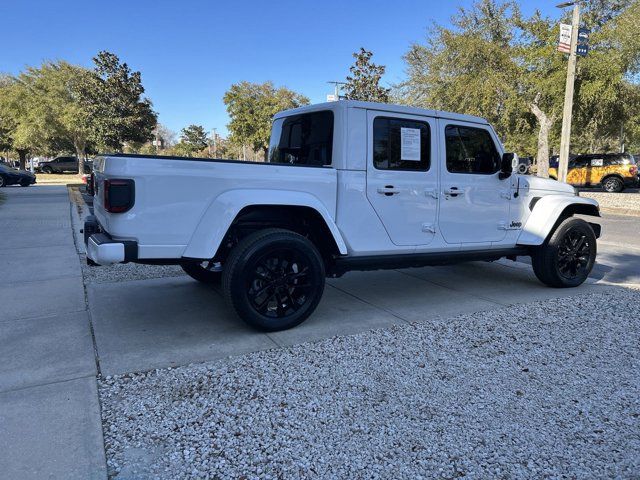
(546, 212)
(218, 217)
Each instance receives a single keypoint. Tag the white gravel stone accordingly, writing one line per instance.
(626, 200)
(122, 272)
(548, 389)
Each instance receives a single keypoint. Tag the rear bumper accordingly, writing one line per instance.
(104, 250)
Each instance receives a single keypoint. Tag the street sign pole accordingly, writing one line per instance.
(565, 139)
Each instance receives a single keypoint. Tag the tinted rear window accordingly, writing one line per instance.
(305, 139)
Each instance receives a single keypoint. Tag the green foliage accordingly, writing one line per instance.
(63, 107)
(113, 95)
(193, 140)
(496, 63)
(251, 107)
(364, 82)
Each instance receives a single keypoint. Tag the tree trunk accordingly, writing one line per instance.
(80, 153)
(265, 150)
(22, 154)
(545, 122)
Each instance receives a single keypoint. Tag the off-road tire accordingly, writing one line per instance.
(254, 265)
(550, 261)
(196, 271)
(613, 185)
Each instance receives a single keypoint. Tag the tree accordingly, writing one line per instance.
(498, 64)
(251, 107)
(114, 97)
(364, 81)
(193, 139)
(45, 110)
(60, 106)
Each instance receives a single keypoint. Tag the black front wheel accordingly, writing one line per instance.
(205, 272)
(3, 182)
(274, 279)
(567, 258)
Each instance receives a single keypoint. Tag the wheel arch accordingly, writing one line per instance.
(262, 209)
(549, 211)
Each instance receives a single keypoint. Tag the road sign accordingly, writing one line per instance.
(582, 48)
(564, 44)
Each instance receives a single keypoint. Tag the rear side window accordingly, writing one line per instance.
(401, 144)
(470, 150)
(305, 139)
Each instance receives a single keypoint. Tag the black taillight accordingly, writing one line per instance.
(119, 195)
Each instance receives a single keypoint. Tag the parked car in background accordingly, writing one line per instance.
(63, 164)
(13, 176)
(612, 171)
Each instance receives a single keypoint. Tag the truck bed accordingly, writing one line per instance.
(173, 195)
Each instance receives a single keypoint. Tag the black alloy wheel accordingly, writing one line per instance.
(279, 283)
(567, 257)
(573, 254)
(274, 279)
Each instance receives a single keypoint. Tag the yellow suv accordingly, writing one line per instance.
(612, 171)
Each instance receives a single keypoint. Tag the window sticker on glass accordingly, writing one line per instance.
(410, 144)
(597, 162)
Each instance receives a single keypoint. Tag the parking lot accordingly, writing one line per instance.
(61, 326)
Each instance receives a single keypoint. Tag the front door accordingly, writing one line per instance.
(402, 175)
(474, 205)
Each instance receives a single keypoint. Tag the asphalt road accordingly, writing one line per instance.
(618, 258)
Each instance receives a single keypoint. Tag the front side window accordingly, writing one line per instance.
(471, 150)
(401, 144)
(305, 139)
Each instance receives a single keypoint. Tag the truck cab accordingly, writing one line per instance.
(346, 186)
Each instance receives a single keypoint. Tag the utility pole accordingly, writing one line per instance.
(336, 90)
(565, 139)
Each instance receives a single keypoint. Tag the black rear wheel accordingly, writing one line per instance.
(47, 169)
(274, 279)
(567, 258)
(205, 272)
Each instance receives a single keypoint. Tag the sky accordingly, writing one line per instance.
(191, 52)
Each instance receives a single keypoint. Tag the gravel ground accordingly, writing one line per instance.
(123, 272)
(624, 200)
(537, 390)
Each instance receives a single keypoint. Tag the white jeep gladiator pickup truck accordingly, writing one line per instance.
(347, 186)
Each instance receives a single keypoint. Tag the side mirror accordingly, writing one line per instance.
(506, 165)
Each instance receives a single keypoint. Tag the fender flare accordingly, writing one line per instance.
(546, 213)
(222, 211)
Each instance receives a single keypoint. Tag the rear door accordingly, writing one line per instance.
(402, 175)
(474, 206)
